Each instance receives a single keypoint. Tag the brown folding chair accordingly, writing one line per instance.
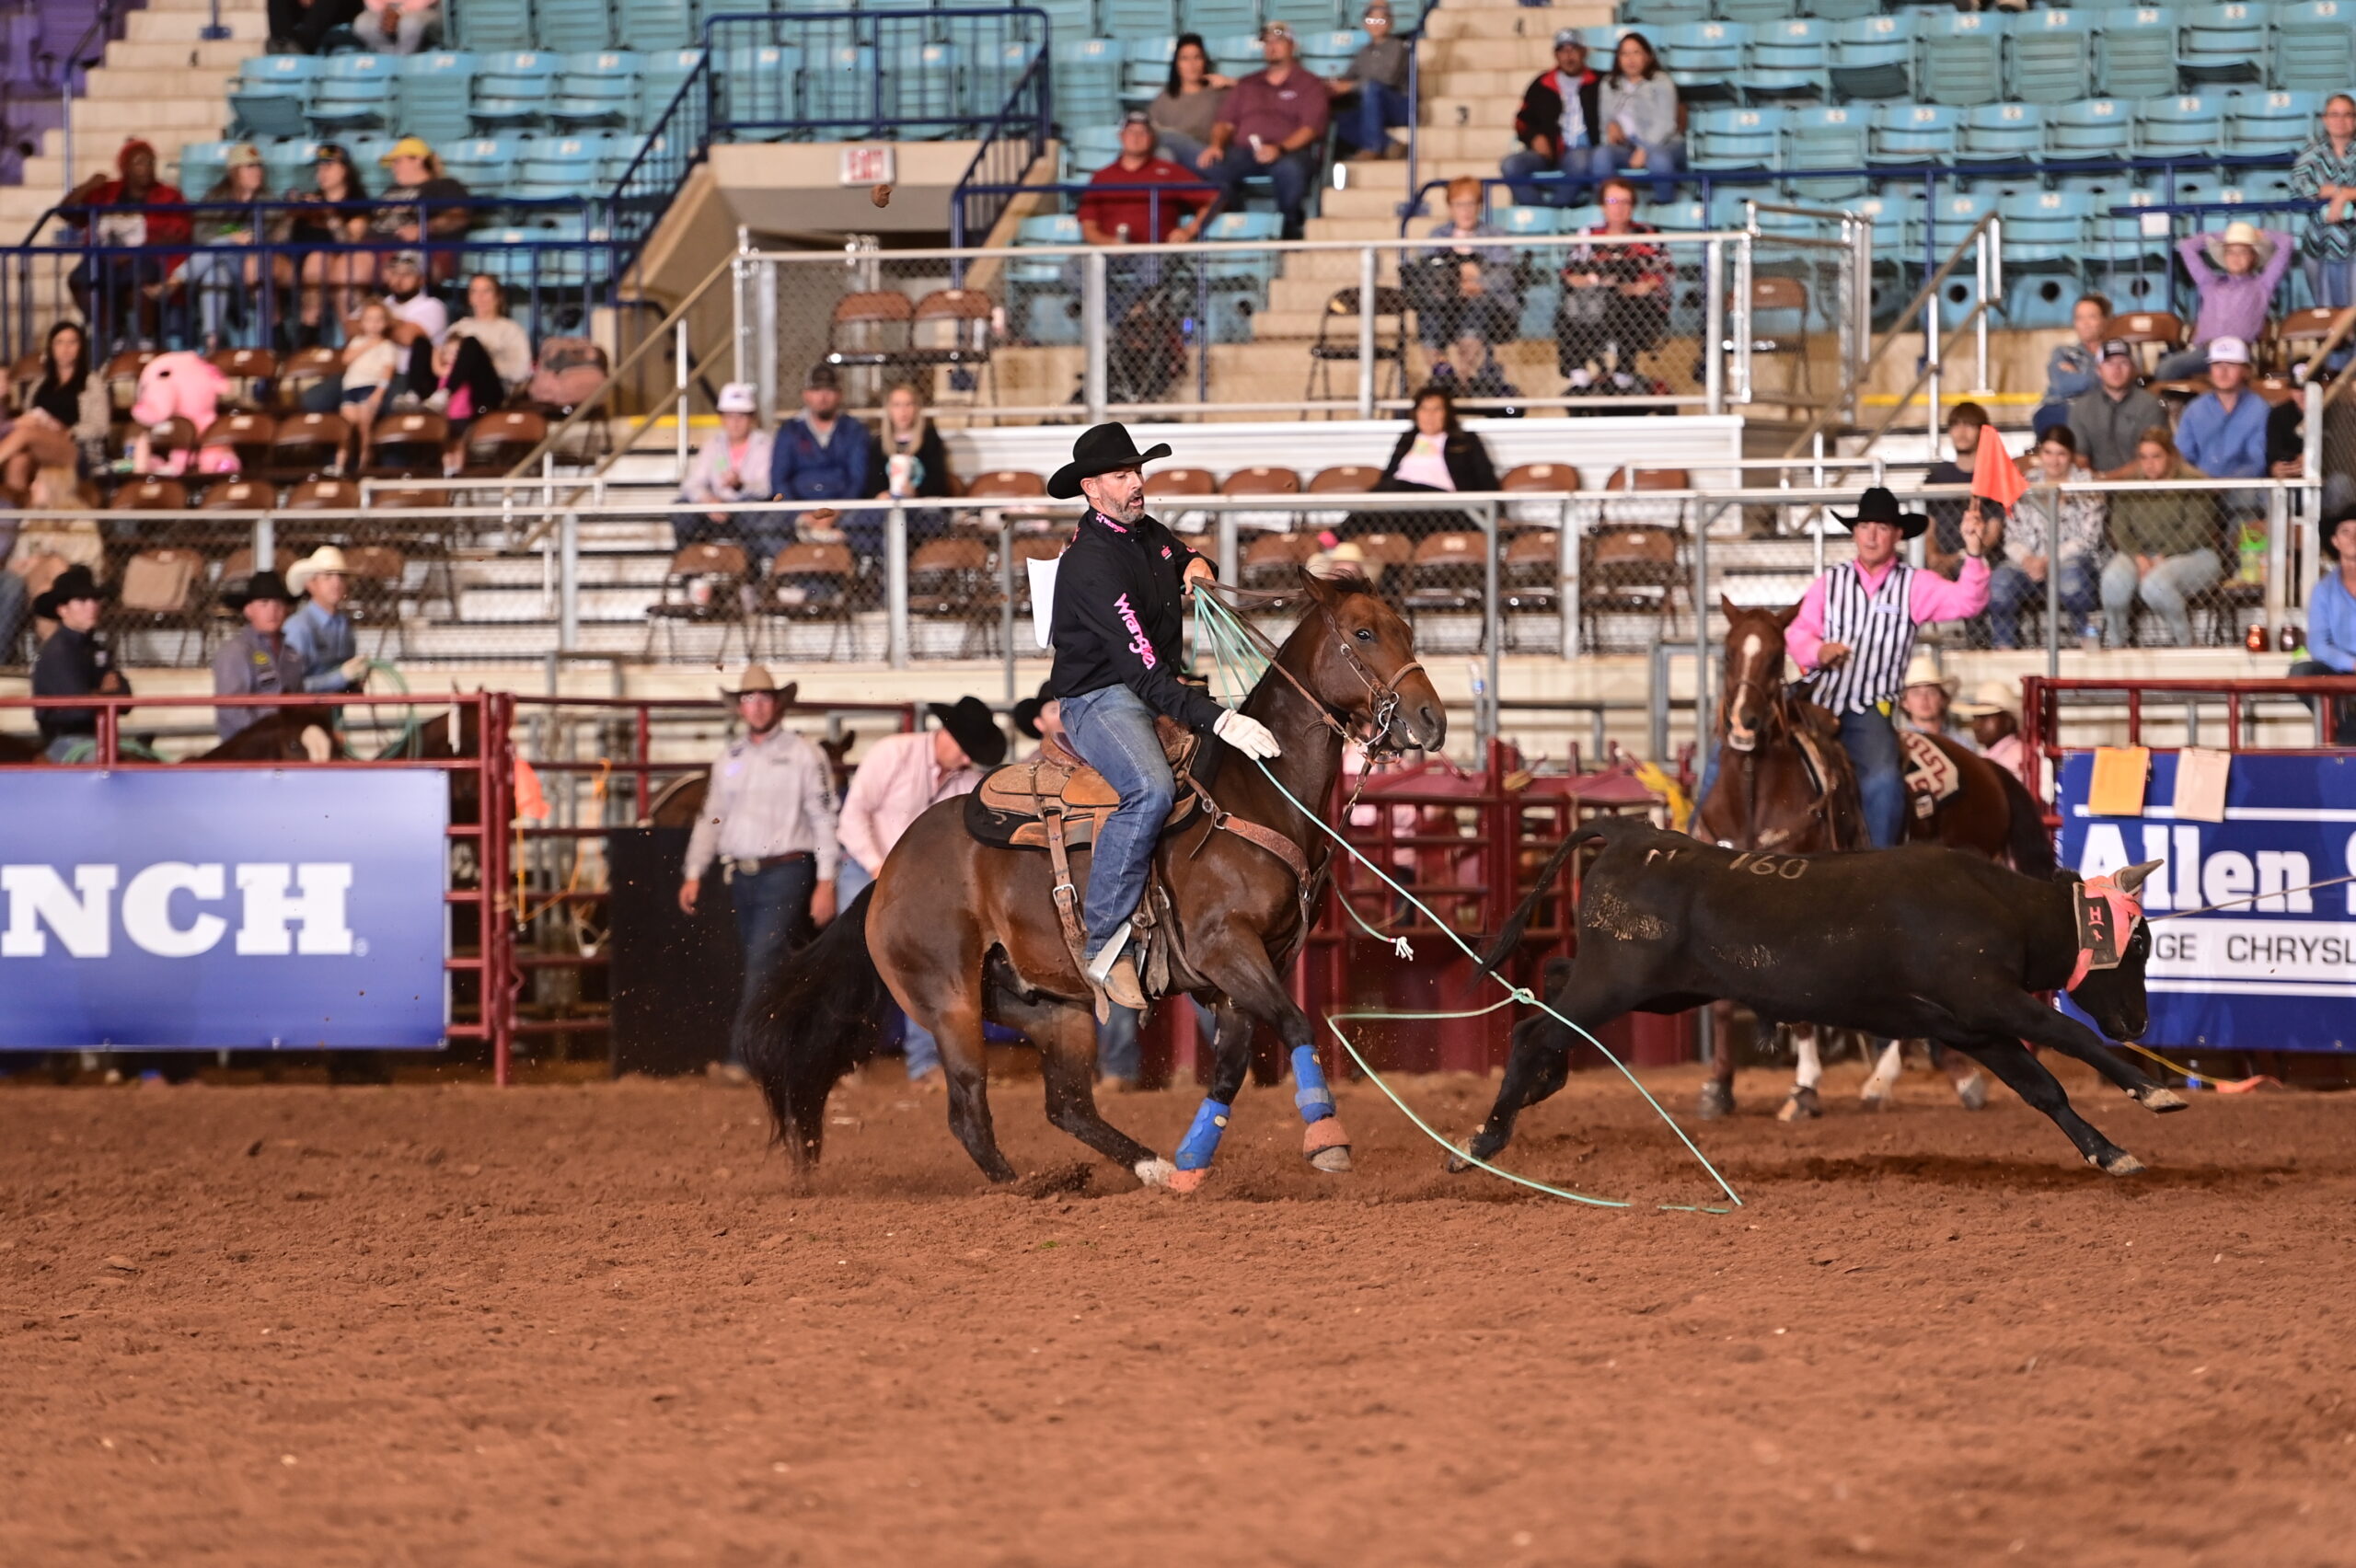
(956, 579)
(869, 330)
(1261, 482)
(375, 575)
(307, 446)
(249, 371)
(1003, 485)
(324, 495)
(1346, 479)
(122, 376)
(704, 585)
(1628, 568)
(301, 371)
(1271, 562)
(1446, 572)
(813, 581)
(163, 590)
(499, 440)
(151, 495)
(951, 329)
(1171, 484)
(1548, 476)
(1782, 295)
(2142, 329)
(1625, 480)
(406, 444)
(2293, 328)
(247, 434)
(1337, 341)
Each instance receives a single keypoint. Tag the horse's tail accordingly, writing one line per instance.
(1510, 938)
(812, 1020)
(2025, 838)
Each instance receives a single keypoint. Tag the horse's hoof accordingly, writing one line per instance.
(1973, 1092)
(2160, 1100)
(1457, 1164)
(1326, 1145)
(1803, 1106)
(2119, 1164)
(1333, 1161)
(1156, 1172)
(1873, 1101)
(1185, 1180)
(1717, 1099)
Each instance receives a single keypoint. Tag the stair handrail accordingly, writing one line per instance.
(101, 26)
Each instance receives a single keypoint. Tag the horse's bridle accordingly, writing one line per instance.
(1756, 681)
(1382, 695)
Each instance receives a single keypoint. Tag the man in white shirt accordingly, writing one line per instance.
(900, 779)
(411, 306)
(768, 817)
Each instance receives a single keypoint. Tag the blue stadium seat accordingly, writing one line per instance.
(1843, 10)
(666, 72)
(1137, 18)
(2136, 58)
(1665, 13)
(1091, 148)
(2001, 134)
(2045, 231)
(760, 86)
(924, 88)
(1943, 225)
(1222, 18)
(555, 168)
(2314, 46)
(1305, 15)
(1706, 60)
(2222, 44)
(352, 92)
(1329, 53)
(486, 165)
(2183, 126)
(368, 149)
(1145, 68)
(291, 163)
(436, 95)
(1088, 82)
(1829, 138)
(991, 80)
(2090, 130)
(1757, 13)
(271, 95)
(1736, 138)
(1788, 60)
(2051, 57)
(1239, 54)
(1873, 58)
(514, 88)
(622, 150)
(648, 26)
(1071, 18)
(1915, 132)
(839, 88)
(600, 88)
(202, 164)
(2258, 122)
(485, 25)
(571, 26)
(1961, 57)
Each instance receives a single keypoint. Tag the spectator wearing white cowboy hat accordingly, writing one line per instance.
(900, 778)
(2236, 272)
(319, 629)
(732, 465)
(768, 817)
(1925, 701)
(1994, 715)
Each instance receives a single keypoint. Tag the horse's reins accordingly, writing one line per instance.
(1382, 706)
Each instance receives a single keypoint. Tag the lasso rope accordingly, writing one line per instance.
(1239, 663)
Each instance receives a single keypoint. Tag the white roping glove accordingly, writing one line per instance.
(355, 668)
(1246, 734)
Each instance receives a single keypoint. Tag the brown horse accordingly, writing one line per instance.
(958, 932)
(1785, 785)
(292, 734)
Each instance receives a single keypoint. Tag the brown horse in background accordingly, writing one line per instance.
(958, 932)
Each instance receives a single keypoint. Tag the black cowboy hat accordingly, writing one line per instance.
(1101, 450)
(2330, 525)
(74, 582)
(1878, 505)
(974, 727)
(263, 584)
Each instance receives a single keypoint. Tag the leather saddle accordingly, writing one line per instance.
(1018, 806)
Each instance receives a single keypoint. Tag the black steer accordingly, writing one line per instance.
(1912, 942)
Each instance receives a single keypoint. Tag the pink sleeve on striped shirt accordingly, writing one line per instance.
(1806, 634)
(1931, 597)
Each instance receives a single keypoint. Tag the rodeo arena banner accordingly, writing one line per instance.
(2247, 952)
(280, 910)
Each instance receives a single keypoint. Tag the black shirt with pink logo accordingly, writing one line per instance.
(1120, 618)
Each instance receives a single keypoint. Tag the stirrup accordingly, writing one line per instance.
(1101, 963)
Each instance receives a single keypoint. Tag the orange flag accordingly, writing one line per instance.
(1993, 473)
(531, 803)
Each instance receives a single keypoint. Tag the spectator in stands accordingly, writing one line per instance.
(70, 412)
(2081, 516)
(372, 362)
(2222, 433)
(1967, 423)
(456, 379)
(2107, 421)
(1143, 218)
(909, 459)
(2236, 272)
(1643, 122)
(1273, 123)
(1187, 108)
(1435, 454)
(2325, 173)
(732, 465)
(298, 27)
(1993, 713)
(898, 780)
(2069, 369)
(257, 658)
(1371, 96)
(340, 219)
(416, 313)
(1615, 299)
(133, 216)
(216, 274)
(2165, 540)
(1926, 702)
(502, 336)
(817, 456)
(74, 662)
(319, 631)
(421, 203)
(1458, 288)
(394, 26)
(1556, 125)
(2331, 620)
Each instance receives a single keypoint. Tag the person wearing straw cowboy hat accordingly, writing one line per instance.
(1118, 618)
(1994, 714)
(1853, 632)
(768, 818)
(899, 778)
(74, 662)
(319, 629)
(1926, 702)
(2236, 271)
(259, 659)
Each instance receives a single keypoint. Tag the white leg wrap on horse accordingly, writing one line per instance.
(1883, 1085)
(1811, 1069)
(1155, 1172)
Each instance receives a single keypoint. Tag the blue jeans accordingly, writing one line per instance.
(1366, 123)
(2164, 592)
(2340, 732)
(1290, 171)
(1872, 745)
(2011, 591)
(1181, 150)
(916, 1044)
(1661, 159)
(1111, 728)
(772, 908)
(216, 280)
(1574, 163)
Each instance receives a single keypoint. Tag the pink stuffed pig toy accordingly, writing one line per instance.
(181, 386)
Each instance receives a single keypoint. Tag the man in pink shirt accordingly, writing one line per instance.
(1854, 632)
(898, 780)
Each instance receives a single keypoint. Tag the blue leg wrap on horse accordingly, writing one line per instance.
(1201, 1142)
(1316, 1101)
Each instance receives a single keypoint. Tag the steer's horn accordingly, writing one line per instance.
(2131, 877)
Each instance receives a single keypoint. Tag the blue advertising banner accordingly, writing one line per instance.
(164, 909)
(2276, 972)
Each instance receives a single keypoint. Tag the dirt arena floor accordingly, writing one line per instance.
(599, 1324)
